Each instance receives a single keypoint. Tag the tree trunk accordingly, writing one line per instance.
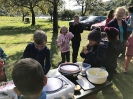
(82, 10)
(55, 18)
(23, 17)
(33, 15)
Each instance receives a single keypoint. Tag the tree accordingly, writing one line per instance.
(30, 4)
(55, 4)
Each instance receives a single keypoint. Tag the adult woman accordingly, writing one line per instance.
(110, 16)
(121, 25)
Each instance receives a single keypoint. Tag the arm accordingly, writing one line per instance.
(47, 62)
(80, 27)
(70, 35)
(95, 58)
(59, 41)
(27, 50)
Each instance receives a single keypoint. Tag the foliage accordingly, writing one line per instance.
(66, 14)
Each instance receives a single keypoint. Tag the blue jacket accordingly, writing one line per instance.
(128, 21)
(95, 57)
(41, 56)
(113, 23)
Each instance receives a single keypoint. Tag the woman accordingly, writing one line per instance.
(110, 16)
(121, 25)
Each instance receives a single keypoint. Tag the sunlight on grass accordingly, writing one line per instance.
(15, 35)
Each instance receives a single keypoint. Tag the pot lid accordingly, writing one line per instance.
(53, 84)
(69, 68)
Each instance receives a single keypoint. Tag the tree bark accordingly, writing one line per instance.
(55, 18)
(33, 15)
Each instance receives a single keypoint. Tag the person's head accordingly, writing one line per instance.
(40, 39)
(112, 33)
(130, 9)
(94, 37)
(111, 14)
(28, 77)
(104, 35)
(63, 30)
(119, 13)
(76, 19)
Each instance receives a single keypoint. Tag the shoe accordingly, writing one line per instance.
(125, 72)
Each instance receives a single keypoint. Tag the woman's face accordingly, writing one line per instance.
(120, 14)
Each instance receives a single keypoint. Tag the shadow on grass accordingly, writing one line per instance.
(11, 61)
(54, 49)
(13, 30)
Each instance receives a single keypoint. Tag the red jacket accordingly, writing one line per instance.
(130, 46)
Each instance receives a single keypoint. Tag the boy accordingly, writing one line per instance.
(2, 62)
(38, 50)
(76, 29)
(29, 79)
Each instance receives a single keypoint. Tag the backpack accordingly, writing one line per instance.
(130, 21)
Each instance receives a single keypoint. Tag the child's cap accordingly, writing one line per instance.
(95, 35)
(112, 32)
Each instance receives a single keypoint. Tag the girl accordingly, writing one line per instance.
(129, 53)
(63, 41)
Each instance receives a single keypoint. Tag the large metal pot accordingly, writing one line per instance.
(69, 69)
(97, 75)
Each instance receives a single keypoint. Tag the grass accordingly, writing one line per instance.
(15, 35)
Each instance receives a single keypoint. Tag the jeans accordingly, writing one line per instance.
(75, 47)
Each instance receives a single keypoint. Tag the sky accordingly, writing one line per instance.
(71, 4)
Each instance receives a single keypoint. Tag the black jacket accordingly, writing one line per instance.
(112, 53)
(95, 57)
(41, 56)
(113, 23)
(76, 30)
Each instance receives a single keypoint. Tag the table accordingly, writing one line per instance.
(81, 94)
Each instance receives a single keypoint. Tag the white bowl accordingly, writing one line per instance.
(97, 79)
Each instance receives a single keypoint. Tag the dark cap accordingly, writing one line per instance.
(95, 36)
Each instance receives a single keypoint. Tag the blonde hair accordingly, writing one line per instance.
(117, 10)
(62, 28)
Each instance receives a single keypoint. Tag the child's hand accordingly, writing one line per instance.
(85, 51)
(126, 43)
(63, 41)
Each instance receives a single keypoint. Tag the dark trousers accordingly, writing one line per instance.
(75, 47)
(65, 57)
(111, 74)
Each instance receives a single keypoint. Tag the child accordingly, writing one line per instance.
(63, 41)
(129, 53)
(2, 62)
(38, 50)
(94, 52)
(29, 79)
(76, 29)
(113, 50)
(129, 21)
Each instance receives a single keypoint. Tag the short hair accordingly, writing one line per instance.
(130, 9)
(76, 16)
(39, 37)
(28, 76)
(118, 9)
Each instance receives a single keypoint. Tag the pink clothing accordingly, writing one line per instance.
(64, 47)
(130, 46)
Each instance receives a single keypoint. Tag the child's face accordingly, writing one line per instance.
(92, 43)
(64, 30)
(40, 46)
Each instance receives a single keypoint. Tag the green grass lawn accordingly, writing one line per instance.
(15, 35)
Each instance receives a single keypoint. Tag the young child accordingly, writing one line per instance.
(2, 62)
(29, 79)
(63, 41)
(38, 50)
(113, 50)
(129, 53)
(94, 52)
